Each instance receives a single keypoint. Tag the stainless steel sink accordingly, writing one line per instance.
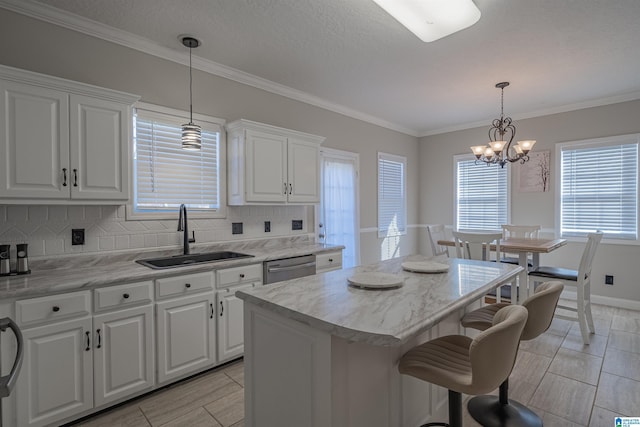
(183, 260)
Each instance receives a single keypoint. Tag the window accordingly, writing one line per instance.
(598, 187)
(482, 195)
(392, 195)
(166, 176)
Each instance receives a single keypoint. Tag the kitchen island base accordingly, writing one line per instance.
(299, 375)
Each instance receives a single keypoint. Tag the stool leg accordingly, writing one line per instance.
(455, 411)
(499, 411)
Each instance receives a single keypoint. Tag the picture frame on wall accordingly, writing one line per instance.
(534, 175)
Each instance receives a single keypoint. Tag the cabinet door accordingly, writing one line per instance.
(34, 142)
(123, 353)
(230, 323)
(303, 172)
(266, 167)
(186, 336)
(56, 377)
(99, 145)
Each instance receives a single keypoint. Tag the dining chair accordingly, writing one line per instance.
(437, 232)
(465, 365)
(477, 245)
(490, 410)
(579, 279)
(510, 231)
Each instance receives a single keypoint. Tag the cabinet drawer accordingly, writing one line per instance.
(182, 285)
(32, 311)
(239, 275)
(123, 295)
(329, 261)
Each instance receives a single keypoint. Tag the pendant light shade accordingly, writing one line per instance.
(191, 133)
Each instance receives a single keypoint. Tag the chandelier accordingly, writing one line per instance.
(191, 133)
(500, 150)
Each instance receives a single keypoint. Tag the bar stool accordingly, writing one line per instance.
(465, 365)
(497, 411)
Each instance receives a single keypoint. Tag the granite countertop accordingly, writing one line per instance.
(83, 272)
(383, 316)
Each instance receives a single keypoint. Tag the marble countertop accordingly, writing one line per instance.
(82, 272)
(383, 316)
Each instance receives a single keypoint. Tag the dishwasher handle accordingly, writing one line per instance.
(8, 381)
(291, 267)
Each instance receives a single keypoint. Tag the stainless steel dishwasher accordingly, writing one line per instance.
(278, 270)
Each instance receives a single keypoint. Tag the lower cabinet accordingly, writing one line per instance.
(123, 353)
(186, 335)
(75, 361)
(56, 380)
(230, 323)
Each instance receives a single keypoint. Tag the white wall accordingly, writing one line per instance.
(437, 192)
(49, 49)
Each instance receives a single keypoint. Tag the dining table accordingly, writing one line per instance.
(523, 247)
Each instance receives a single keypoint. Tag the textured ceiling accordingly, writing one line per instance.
(557, 54)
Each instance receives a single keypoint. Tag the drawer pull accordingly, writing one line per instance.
(125, 296)
(56, 309)
(64, 177)
(99, 339)
(221, 308)
(187, 285)
(211, 305)
(242, 275)
(330, 259)
(88, 341)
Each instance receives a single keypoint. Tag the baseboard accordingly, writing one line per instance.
(609, 301)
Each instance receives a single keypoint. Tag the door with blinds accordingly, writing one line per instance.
(337, 215)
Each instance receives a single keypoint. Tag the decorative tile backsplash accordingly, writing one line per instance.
(47, 229)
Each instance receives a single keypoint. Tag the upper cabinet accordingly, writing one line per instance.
(62, 140)
(272, 165)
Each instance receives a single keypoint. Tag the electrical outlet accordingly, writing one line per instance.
(296, 224)
(267, 226)
(236, 228)
(608, 279)
(77, 236)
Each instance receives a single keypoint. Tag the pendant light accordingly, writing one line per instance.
(191, 133)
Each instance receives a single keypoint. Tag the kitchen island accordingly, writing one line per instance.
(319, 352)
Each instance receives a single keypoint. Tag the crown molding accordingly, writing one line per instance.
(631, 96)
(50, 14)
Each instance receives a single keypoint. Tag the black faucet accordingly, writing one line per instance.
(182, 226)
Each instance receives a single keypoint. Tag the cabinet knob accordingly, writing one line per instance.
(125, 296)
(242, 275)
(187, 285)
(56, 308)
(330, 259)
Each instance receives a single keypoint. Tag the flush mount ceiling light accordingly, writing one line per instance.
(191, 133)
(432, 19)
(500, 151)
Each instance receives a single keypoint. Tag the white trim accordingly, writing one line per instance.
(625, 303)
(616, 99)
(99, 30)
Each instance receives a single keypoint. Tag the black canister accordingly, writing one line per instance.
(5, 259)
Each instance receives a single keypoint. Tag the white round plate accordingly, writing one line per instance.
(425, 266)
(374, 280)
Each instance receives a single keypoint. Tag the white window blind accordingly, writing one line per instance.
(599, 189)
(166, 175)
(392, 203)
(482, 195)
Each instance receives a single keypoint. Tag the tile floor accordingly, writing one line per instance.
(565, 382)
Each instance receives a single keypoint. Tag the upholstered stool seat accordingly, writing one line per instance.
(465, 365)
(497, 411)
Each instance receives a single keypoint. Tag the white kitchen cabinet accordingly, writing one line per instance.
(328, 261)
(186, 335)
(230, 307)
(272, 165)
(57, 373)
(63, 141)
(123, 353)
